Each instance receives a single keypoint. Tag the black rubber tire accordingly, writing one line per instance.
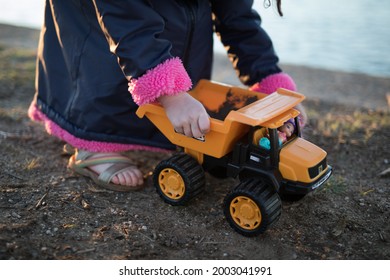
(259, 193)
(188, 170)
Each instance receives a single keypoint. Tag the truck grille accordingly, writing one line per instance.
(315, 170)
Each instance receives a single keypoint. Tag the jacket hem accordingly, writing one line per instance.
(90, 145)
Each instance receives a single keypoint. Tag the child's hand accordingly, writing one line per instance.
(187, 115)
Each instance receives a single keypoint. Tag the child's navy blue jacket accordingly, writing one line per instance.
(84, 93)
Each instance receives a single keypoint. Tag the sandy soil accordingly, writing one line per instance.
(50, 213)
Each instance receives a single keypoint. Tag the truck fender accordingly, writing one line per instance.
(273, 177)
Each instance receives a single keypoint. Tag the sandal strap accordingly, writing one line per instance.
(82, 159)
(101, 160)
(107, 175)
(83, 155)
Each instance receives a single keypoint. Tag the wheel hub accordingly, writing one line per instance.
(245, 212)
(171, 183)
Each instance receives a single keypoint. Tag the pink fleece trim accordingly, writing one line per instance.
(167, 78)
(93, 146)
(272, 82)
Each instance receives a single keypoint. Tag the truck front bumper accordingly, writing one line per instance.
(290, 187)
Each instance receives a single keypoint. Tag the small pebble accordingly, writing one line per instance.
(15, 215)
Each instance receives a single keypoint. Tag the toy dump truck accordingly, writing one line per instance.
(293, 168)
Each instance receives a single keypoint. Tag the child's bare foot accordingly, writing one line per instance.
(131, 176)
(110, 170)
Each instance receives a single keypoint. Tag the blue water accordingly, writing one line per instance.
(346, 35)
(349, 35)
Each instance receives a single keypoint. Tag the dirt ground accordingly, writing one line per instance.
(50, 213)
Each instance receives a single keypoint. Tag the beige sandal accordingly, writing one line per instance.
(80, 161)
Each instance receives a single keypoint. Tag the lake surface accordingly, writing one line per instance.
(347, 35)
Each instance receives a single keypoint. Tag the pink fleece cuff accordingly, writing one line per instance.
(93, 146)
(167, 78)
(272, 82)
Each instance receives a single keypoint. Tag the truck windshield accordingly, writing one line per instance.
(267, 138)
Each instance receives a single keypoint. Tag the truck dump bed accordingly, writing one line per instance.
(233, 111)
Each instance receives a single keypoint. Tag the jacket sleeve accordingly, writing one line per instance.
(132, 30)
(249, 47)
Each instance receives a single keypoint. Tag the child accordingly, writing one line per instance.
(91, 52)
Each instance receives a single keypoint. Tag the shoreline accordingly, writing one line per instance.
(353, 89)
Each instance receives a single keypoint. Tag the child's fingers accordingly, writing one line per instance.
(187, 130)
(204, 123)
(196, 132)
